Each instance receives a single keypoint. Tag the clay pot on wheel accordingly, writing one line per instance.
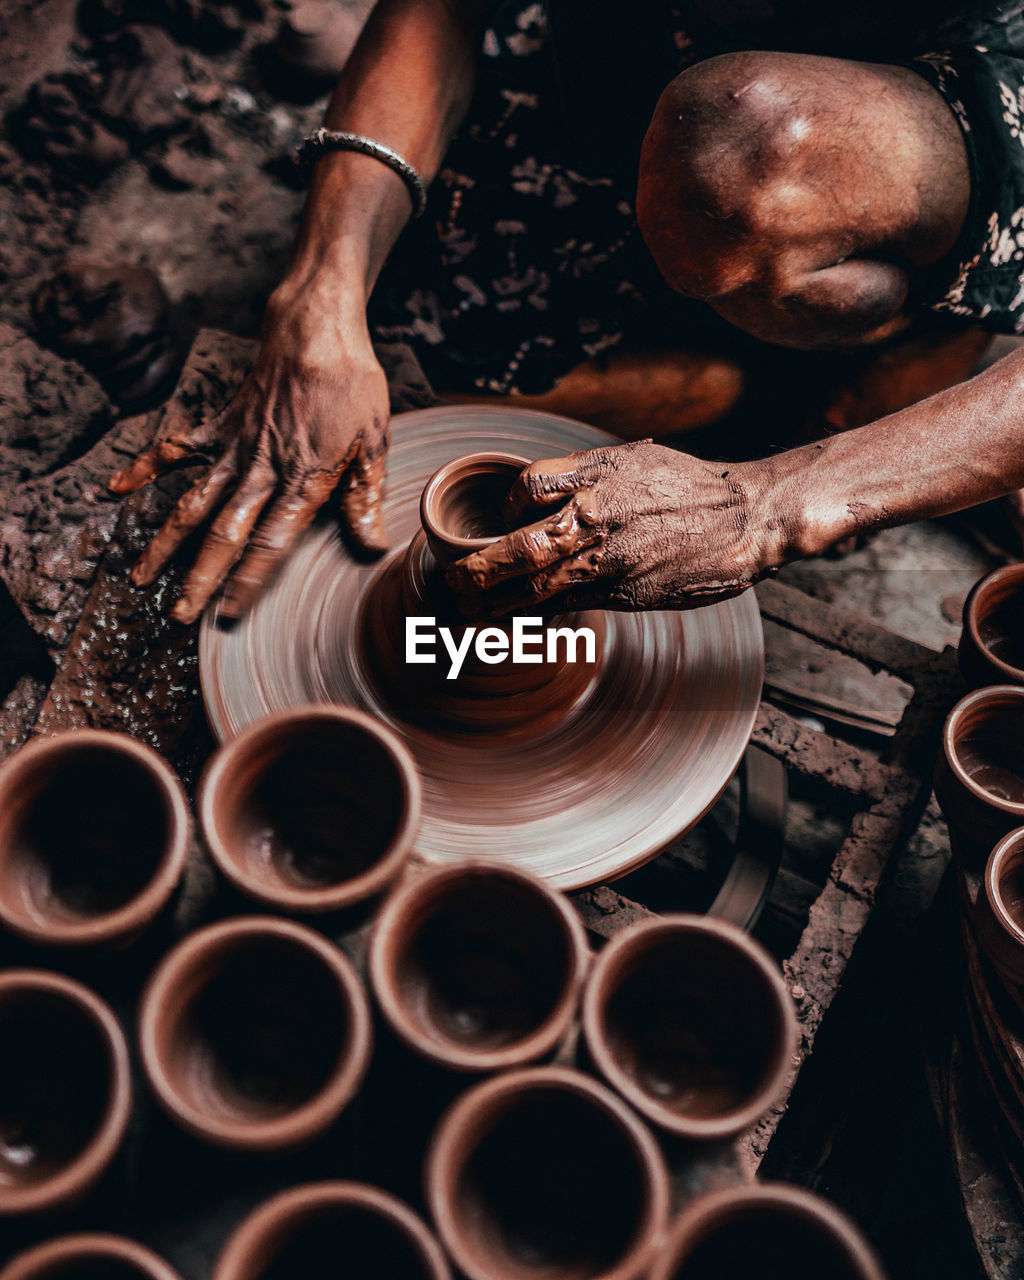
(478, 967)
(772, 1231)
(94, 837)
(255, 1033)
(65, 1090)
(544, 1172)
(462, 511)
(325, 1229)
(991, 649)
(462, 506)
(690, 1020)
(1000, 908)
(88, 1257)
(979, 774)
(311, 810)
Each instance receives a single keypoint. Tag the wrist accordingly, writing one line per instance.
(794, 509)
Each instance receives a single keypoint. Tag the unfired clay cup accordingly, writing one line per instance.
(311, 810)
(979, 774)
(771, 1231)
(544, 1172)
(255, 1033)
(88, 1257)
(94, 837)
(65, 1090)
(461, 508)
(991, 649)
(329, 1229)
(478, 967)
(999, 913)
(690, 1020)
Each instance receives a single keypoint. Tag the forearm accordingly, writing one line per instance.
(408, 85)
(951, 451)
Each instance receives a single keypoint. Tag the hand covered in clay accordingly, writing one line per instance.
(311, 417)
(631, 527)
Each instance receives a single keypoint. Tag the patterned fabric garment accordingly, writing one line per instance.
(529, 261)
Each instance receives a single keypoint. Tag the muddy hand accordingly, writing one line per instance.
(310, 418)
(634, 526)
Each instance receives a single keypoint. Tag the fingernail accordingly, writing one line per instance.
(184, 612)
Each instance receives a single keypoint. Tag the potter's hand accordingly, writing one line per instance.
(312, 412)
(635, 526)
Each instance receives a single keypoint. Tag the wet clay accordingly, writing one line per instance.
(311, 811)
(692, 1022)
(251, 1023)
(478, 967)
(544, 1180)
(93, 838)
(64, 1091)
(327, 1229)
(462, 510)
(463, 505)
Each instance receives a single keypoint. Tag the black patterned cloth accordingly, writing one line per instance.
(529, 260)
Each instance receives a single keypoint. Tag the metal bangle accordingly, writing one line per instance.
(323, 140)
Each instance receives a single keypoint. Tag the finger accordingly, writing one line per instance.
(549, 482)
(177, 445)
(573, 575)
(192, 509)
(362, 496)
(222, 547)
(524, 551)
(291, 515)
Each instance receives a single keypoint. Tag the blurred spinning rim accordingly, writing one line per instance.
(639, 757)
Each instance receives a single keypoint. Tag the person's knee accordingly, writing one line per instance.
(714, 173)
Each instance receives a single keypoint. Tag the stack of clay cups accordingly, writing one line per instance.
(255, 1032)
(94, 837)
(979, 775)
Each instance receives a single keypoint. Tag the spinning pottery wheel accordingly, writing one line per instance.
(578, 794)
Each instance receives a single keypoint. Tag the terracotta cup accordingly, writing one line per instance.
(255, 1033)
(88, 1257)
(690, 1020)
(544, 1172)
(65, 1090)
(769, 1230)
(991, 649)
(999, 913)
(478, 967)
(328, 1229)
(462, 506)
(94, 837)
(979, 774)
(311, 810)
